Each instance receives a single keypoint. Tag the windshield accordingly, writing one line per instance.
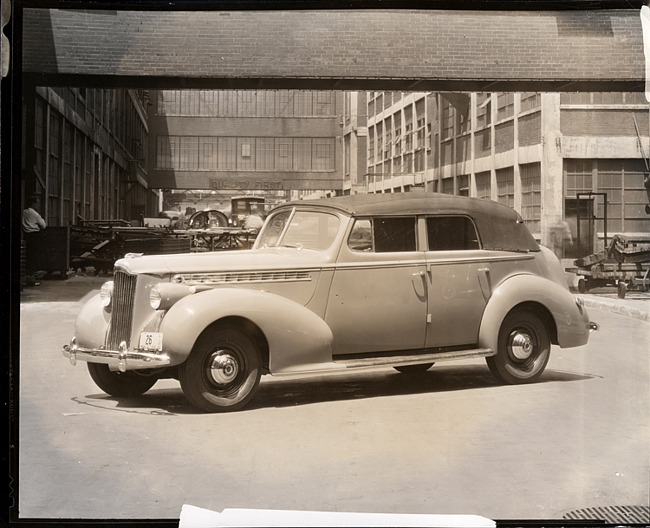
(301, 229)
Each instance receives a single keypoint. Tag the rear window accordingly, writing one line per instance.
(451, 233)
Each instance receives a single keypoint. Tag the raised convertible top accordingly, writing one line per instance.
(499, 226)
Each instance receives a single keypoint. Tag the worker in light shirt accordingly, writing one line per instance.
(32, 220)
(32, 224)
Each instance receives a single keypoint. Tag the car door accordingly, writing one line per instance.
(378, 299)
(458, 278)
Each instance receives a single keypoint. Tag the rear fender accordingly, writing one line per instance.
(570, 318)
(296, 336)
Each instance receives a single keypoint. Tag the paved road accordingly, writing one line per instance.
(452, 441)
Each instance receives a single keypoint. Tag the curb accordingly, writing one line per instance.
(616, 307)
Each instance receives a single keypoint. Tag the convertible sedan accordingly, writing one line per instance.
(398, 280)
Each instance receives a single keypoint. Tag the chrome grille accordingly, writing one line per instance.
(122, 309)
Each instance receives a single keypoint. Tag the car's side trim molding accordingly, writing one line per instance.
(427, 261)
(505, 258)
(246, 277)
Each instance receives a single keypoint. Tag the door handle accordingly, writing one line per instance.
(487, 287)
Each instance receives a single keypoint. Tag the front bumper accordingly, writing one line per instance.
(124, 359)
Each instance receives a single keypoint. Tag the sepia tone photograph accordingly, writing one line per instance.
(304, 264)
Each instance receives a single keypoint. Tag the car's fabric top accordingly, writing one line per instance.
(499, 226)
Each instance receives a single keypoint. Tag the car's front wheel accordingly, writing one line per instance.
(121, 384)
(524, 348)
(223, 371)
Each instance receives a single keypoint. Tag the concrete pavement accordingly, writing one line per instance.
(635, 305)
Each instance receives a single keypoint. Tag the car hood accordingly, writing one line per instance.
(218, 261)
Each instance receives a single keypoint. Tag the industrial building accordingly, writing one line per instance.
(85, 154)
(574, 158)
(553, 157)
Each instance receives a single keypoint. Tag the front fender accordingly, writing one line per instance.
(571, 319)
(92, 323)
(296, 336)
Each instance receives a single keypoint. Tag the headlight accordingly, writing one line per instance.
(106, 293)
(163, 296)
(155, 297)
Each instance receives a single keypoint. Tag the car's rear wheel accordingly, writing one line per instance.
(414, 369)
(121, 384)
(524, 348)
(223, 371)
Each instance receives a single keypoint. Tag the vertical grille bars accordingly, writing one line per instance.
(122, 310)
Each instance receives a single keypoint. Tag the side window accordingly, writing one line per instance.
(361, 236)
(383, 235)
(449, 233)
(394, 234)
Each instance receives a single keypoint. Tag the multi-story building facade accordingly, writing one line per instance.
(85, 155)
(246, 140)
(555, 158)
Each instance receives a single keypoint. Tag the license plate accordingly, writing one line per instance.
(151, 341)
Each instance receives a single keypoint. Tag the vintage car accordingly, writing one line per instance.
(399, 280)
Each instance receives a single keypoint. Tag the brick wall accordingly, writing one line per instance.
(595, 122)
(504, 136)
(376, 49)
(530, 129)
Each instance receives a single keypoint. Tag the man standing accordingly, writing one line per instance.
(33, 224)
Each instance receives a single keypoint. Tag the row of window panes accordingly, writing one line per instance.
(245, 103)
(622, 180)
(531, 195)
(245, 153)
(387, 147)
(69, 169)
(531, 190)
(114, 110)
(603, 98)
(505, 105)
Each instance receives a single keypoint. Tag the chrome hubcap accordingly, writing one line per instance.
(521, 345)
(224, 368)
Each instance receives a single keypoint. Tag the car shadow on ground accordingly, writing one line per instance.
(283, 392)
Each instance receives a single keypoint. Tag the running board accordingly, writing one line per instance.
(399, 360)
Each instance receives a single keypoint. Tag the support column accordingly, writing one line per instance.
(515, 153)
(552, 185)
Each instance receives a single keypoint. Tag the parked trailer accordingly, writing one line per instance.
(624, 264)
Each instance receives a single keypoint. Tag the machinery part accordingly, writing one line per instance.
(524, 348)
(121, 384)
(223, 370)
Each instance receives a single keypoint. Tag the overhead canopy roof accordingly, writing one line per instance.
(363, 49)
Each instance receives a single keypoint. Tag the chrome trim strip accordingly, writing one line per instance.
(195, 279)
(471, 260)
